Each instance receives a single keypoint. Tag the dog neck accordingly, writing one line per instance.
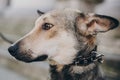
(82, 68)
(91, 57)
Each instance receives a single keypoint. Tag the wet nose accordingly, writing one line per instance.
(12, 50)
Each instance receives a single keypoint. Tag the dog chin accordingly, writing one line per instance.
(28, 60)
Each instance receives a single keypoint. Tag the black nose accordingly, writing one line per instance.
(12, 50)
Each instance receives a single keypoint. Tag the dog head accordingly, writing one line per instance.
(58, 36)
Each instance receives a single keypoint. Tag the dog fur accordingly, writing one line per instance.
(69, 31)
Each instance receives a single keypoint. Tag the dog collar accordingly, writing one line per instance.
(92, 57)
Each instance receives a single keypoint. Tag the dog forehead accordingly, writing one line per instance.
(66, 11)
(67, 14)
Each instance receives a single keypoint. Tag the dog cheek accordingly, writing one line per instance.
(51, 34)
(64, 55)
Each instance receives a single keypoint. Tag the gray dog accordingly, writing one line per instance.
(67, 40)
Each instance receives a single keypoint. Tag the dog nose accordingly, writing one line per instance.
(12, 50)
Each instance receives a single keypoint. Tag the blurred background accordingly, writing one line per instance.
(17, 18)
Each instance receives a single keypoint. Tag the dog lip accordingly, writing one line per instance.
(23, 59)
(29, 59)
(41, 58)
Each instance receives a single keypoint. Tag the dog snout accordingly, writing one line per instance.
(12, 49)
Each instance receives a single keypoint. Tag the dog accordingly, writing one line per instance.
(66, 38)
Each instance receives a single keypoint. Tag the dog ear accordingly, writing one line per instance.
(92, 24)
(40, 12)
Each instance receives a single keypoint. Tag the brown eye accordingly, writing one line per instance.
(47, 26)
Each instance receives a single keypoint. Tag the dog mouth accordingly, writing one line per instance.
(28, 59)
(25, 56)
(40, 58)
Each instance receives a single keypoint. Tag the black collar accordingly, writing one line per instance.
(92, 57)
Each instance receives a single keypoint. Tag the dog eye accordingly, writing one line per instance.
(47, 26)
